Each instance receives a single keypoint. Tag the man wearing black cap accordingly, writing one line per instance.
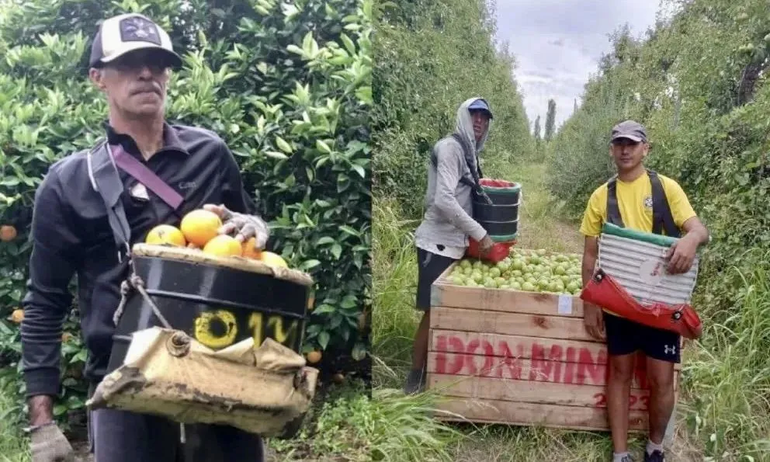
(633, 193)
(442, 237)
(147, 172)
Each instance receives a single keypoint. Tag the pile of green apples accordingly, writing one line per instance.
(525, 270)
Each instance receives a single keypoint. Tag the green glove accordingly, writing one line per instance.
(50, 445)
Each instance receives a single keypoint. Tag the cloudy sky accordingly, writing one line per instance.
(558, 43)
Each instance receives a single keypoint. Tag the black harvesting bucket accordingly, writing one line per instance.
(500, 218)
(217, 301)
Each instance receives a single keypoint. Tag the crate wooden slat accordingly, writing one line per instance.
(533, 325)
(547, 415)
(522, 358)
(526, 391)
(484, 299)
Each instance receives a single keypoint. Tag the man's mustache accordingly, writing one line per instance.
(153, 87)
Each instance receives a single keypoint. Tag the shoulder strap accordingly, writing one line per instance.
(464, 179)
(144, 175)
(106, 181)
(662, 219)
(613, 211)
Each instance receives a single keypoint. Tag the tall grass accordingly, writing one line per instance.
(394, 271)
(727, 379)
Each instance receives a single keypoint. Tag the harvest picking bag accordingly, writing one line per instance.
(631, 282)
(264, 390)
(604, 291)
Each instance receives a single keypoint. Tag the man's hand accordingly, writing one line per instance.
(593, 320)
(682, 254)
(50, 445)
(486, 244)
(245, 226)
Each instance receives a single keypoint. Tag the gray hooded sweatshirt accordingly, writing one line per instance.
(448, 218)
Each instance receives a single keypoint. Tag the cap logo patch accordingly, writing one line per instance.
(137, 29)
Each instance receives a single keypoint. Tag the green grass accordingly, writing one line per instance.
(13, 447)
(726, 377)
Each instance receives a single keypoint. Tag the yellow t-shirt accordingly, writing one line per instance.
(635, 204)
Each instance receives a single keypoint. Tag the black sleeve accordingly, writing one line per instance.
(48, 300)
(234, 195)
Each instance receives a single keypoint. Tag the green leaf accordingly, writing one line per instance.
(295, 49)
(276, 155)
(309, 264)
(324, 308)
(283, 145)
(336, 251)
(360, 170)
(325, 240)
(323, 147)
(349, 45)
(323, 339)
(349, 230)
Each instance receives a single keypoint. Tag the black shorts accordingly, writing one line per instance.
(429, 268)
(625, 336)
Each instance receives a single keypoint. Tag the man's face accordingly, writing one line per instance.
(480, 123)
(628, 154)
(135, 84)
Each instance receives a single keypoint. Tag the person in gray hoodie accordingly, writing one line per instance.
(443, 236)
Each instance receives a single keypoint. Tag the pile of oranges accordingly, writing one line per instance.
(200, 230)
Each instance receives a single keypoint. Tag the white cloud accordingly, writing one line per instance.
(558, 44)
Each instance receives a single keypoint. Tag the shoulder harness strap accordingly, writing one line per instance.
(104, 177)
(475, 173)
(613, 211)
(662, 219)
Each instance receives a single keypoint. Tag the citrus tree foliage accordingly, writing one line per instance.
(698, 82)
(431, 56)
(286, 84)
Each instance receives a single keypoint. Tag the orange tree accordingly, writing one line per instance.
(286, 84)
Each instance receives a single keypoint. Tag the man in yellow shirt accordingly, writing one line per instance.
(645, 201)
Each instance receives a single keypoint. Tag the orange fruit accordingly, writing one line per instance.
(66, 336)
(313, 357)
(249, 249)
(273, 259)
(200, 226)
(166, 234)
(7, 233)
(17, 316)
(338, 378)
(223, 246)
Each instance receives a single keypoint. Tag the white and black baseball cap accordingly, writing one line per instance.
(129, 32)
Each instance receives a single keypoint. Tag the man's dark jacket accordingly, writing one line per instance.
(71, 236)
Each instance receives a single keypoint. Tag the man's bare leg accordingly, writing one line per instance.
(660, 375)
(618, 389)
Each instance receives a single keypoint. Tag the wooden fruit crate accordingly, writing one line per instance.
(522, 358)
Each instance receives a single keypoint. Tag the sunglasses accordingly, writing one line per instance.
(155, 61)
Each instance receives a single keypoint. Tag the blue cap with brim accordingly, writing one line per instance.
(481, 105)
